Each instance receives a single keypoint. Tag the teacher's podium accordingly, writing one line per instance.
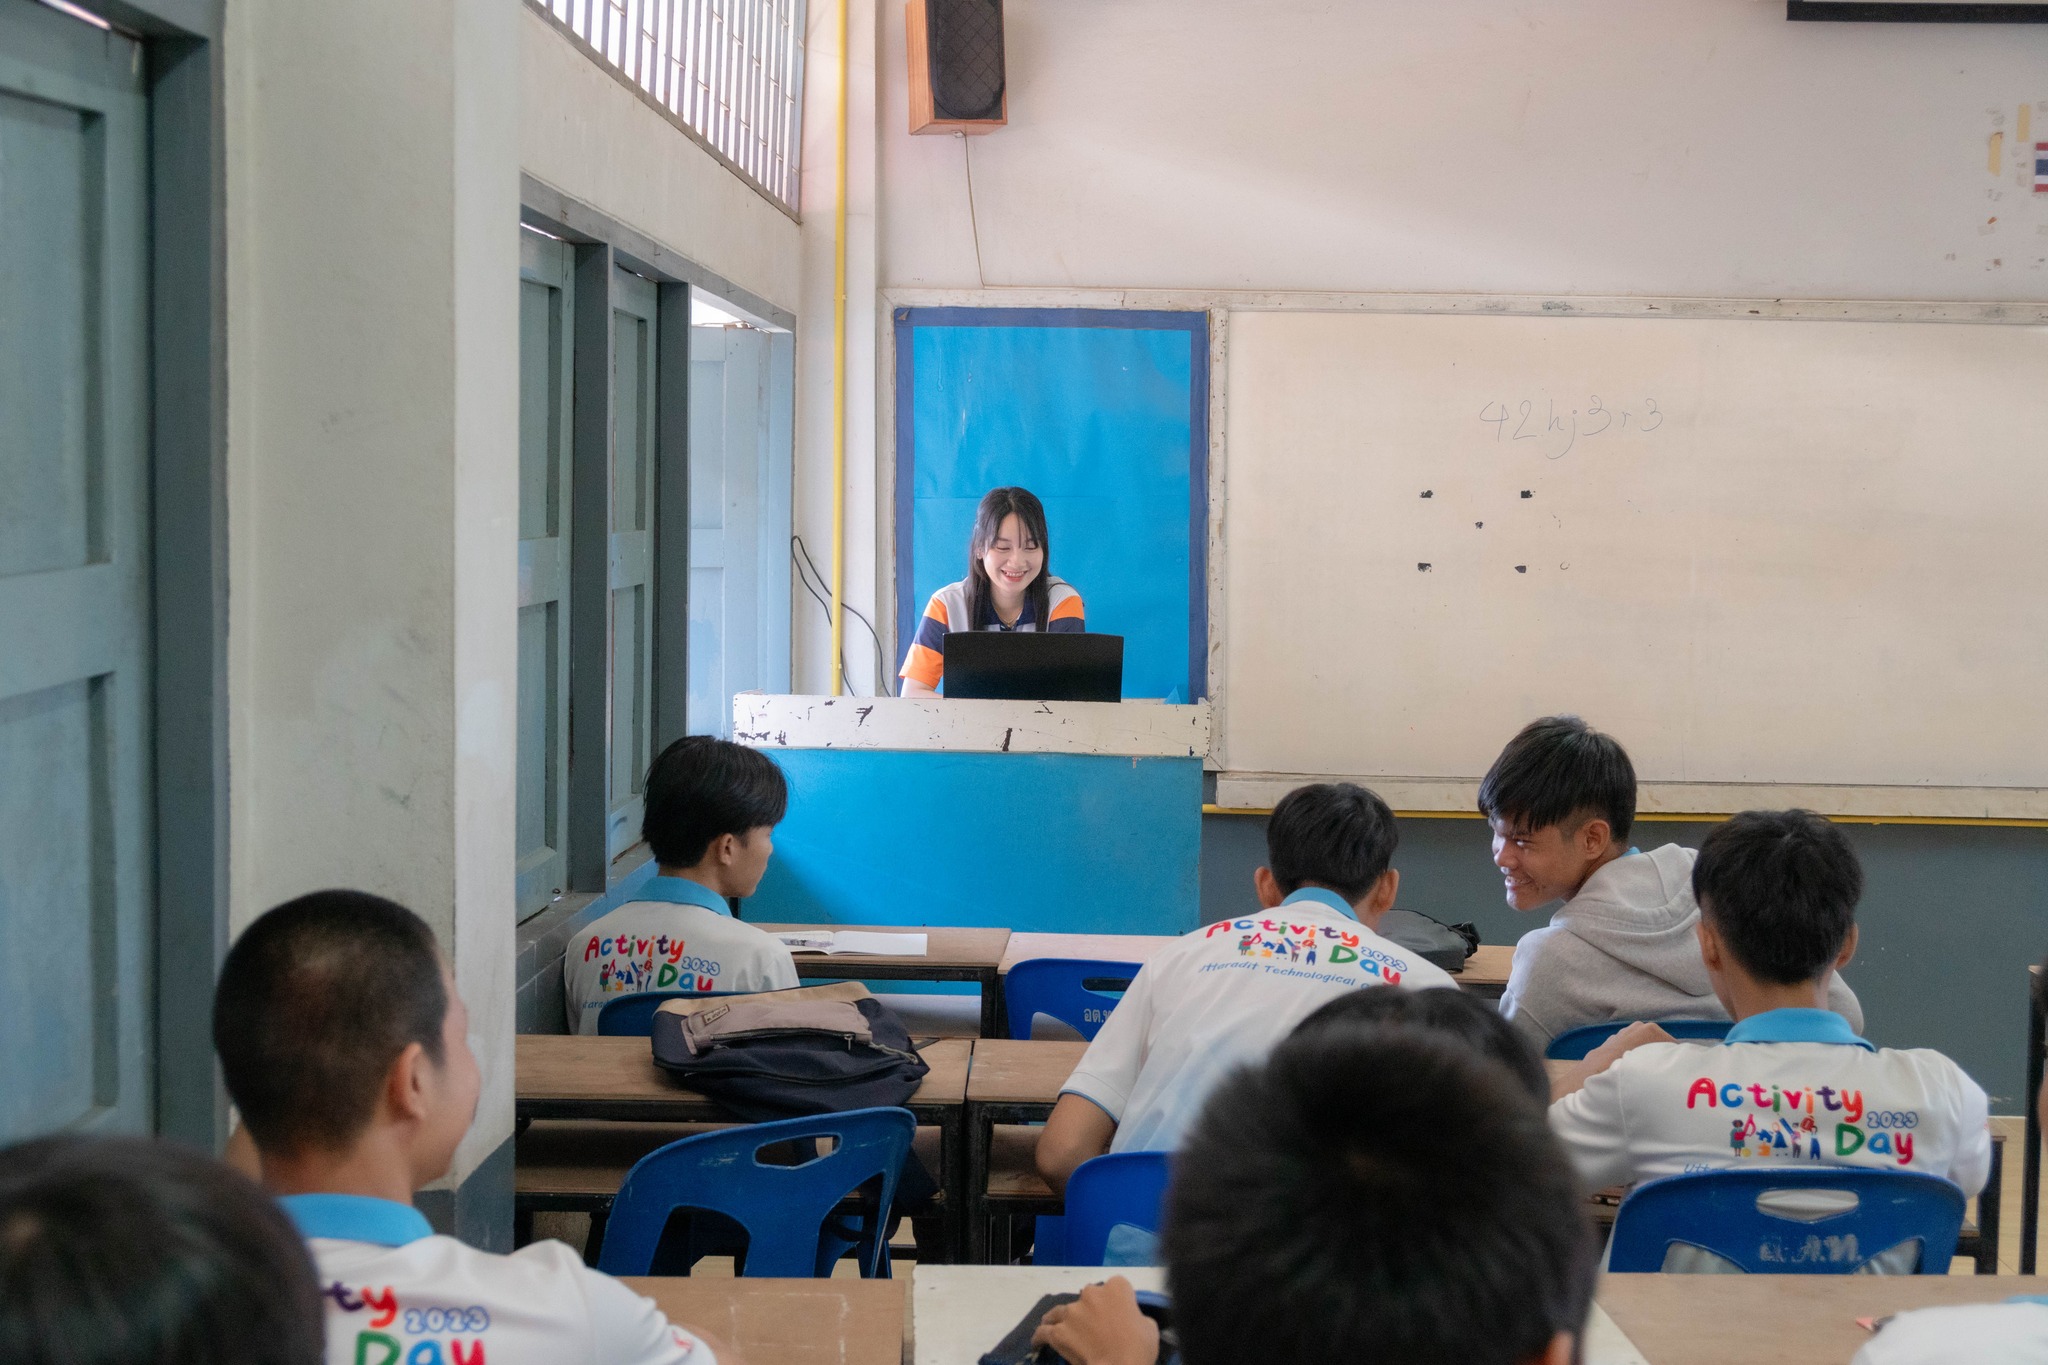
(1056, 817)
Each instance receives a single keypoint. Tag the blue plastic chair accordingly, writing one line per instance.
(783, 1209)
(1574, 1043)
(1124, 1188)
(1717, 1210)
(632, 1016)
(1079, 992)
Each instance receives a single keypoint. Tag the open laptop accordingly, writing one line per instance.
(1030, 666)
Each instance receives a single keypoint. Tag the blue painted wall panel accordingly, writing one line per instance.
(1103, 844)
(1105, 419)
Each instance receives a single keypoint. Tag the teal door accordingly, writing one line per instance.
(76, 900)
(634, 415)
(546, 369)
(739, 520)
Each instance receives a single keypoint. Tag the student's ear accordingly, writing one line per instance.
(726, 848)
(1267, 887)
(1563, 1350)
(1848, 953)
(405, 1085)
(1710, 944)
(1595, 837)
(1380, 899)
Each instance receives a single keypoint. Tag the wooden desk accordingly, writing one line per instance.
(570, 1076)
(790, 1322)
(1708, 1319)
(1137, 948)
(1012, 1081)
(959, 1311)
(1485, 973)
(950, 955)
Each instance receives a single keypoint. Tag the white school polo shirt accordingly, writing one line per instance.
(398, 1294)
(1787, 1085)
(1222, 996)
(678, 936)
(2011, 1333)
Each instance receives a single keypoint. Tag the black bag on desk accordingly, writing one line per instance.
(786, 1054)
(1443, 945)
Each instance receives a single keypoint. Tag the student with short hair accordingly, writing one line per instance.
(345, 1046)
(711, 809)
(1226, 993)
(1366, 1193)
(2011, 1333)
(1449, 1014)
(1793, 1082)
(1561, 799)
(131, 1251)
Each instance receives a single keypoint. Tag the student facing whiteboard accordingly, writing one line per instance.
(1009, 586)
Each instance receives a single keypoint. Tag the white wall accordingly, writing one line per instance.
(374, 151)
(1685, 147)
(372, 229)
(582, 131)
(811, 649)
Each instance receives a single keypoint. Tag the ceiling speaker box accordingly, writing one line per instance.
(956, 66)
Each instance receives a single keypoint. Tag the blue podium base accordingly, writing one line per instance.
(1050, 843)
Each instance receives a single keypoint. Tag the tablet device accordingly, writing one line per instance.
(1031, 666)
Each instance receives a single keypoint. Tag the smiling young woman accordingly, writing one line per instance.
(1009, 586)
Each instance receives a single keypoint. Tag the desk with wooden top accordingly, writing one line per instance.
(1016, 1082)
(789, 1322)
(958, 1311)
(570, 1076)
(1012, 1081)
(950, 954)
(1711, 1319)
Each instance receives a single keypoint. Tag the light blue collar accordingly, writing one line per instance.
(356, 1218)
(1328, 899)
(682, 891)
(1797, 1026)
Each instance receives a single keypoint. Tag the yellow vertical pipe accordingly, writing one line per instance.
(839, 380)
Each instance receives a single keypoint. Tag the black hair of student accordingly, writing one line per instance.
(131, 1251)
(316, 1000)
(1561, 771)
(996, 504)
(1334, 834)
(1453, 1014)
(1780, 887)
(700, 788)
(1382, 1194)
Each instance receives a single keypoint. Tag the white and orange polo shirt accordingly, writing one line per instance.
(947, 611)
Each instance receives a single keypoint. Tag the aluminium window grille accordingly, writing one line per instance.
(731, 71)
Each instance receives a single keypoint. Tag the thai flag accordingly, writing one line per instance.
(2041, 168)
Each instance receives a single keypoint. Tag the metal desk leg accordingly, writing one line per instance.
(953, 1177)
(974, 1208)
(992, 1005)
(2030, 1161)
(1988, 1210)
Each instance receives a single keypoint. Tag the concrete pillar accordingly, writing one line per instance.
(372, 238)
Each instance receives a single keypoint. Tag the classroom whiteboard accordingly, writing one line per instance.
(1757, 551)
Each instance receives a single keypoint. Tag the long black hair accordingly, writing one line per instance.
(997, 504)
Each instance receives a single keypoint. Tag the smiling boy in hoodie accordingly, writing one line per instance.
(1561, 799)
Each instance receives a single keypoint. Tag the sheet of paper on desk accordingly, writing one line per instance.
(1607, 1344)
(853, 941)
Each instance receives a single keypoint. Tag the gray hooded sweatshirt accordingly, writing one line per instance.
(1625, 947)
